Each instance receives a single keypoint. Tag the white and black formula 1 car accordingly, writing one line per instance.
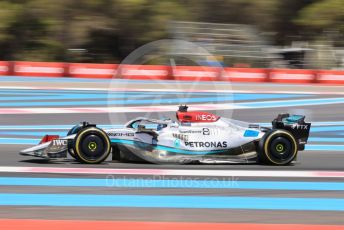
(196, 137)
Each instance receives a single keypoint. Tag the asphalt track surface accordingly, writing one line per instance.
(247, 199)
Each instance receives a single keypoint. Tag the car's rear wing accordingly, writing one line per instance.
(296, 125)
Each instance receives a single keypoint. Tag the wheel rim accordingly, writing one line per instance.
(92, 146)
(281, 149)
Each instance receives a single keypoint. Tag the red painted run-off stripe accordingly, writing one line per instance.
(27, 224)
(162, 72)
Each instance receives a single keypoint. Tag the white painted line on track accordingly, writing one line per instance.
(230, 90)
(168, 108)
(178, 172)
(120, 109)
(68, 126)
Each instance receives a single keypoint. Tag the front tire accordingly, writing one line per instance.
(91, 146)
(277, 147)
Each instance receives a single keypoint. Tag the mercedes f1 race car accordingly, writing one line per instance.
(196, 137)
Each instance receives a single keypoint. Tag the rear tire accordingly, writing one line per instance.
(91, 146)
(277, 147)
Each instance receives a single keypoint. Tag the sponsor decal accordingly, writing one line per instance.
(59, 142)
(86, 70)
(298, 126)
(144, 72)
(182, 137)
(3, 68)
(38, 69)
(204, 131)
(195, 73)
(121, 134)
(190, 131)
(206, 117)
(212, 144)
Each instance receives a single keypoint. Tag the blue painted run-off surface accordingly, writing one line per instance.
(22, 97)
(158, 201)
(112, 181)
